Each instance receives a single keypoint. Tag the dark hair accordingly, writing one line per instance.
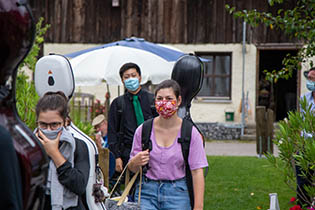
(168, 84)
(53, 101)
(307, 72)
(312, 69)
(128, 66)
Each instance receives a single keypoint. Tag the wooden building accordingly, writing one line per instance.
(203, 27)
(162, 21)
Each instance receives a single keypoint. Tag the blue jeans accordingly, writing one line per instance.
(163, 195)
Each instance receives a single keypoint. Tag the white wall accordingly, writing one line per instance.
(215, 111)
(200, 111)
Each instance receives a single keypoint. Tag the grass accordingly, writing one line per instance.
(243, 183)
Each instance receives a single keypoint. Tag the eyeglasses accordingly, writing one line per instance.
(53, 125)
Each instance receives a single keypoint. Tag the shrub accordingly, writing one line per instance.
(295, 140)
(26, 96)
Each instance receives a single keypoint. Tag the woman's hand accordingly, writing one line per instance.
(51, 147)
(140, 159)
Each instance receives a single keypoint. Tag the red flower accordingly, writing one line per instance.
(292, 199)
(296, 207)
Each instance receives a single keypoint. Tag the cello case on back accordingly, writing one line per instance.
(17, 32)
(54, 73)
(188, 72)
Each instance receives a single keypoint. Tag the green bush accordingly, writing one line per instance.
(26, 96)
(295, 148)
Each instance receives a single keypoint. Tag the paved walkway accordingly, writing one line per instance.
(233, 148)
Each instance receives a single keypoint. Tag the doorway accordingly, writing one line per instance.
(281, 96)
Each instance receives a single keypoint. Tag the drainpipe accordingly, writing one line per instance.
(243, 78)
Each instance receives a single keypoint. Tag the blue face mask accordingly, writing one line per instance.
(132, 84)
(310, 85)
(51, 134)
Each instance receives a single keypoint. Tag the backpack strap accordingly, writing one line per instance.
(185, 140)
(203, 143)
(120, 119)
(145, 139)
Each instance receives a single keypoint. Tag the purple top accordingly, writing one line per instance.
(167, 163)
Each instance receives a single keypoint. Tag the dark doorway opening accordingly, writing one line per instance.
(281, 96)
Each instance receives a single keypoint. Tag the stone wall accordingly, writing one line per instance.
(220, 131)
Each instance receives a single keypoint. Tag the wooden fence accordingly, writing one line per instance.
(84, 107)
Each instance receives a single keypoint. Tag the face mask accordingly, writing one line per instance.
(51, 134)
(166, 108)
(310, 85)
(132, 84)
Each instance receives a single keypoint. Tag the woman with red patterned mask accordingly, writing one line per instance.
(165, 173)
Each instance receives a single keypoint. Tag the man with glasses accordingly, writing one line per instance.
(100, 125)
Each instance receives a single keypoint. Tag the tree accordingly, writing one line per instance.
(295, 148)
(298, 22)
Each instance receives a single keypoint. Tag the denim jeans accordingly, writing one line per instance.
(163, 195)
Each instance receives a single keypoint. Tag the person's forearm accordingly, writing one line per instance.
(199, 187)
(58, 159)
(132, 166)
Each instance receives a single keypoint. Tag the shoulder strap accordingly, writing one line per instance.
(120, 119)
(145, 138)
(146, 134)
(185, 140)
(204, 145)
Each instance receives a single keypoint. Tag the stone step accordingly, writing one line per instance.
(250, 126)
(249, 131)
(249, 137)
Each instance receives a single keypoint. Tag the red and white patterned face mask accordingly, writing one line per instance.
(166, 108)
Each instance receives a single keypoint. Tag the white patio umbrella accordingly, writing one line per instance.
(93, 67)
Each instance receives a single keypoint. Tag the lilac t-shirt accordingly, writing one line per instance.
(167, 163)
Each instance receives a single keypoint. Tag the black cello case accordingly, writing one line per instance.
(188, 72)
(23, 162)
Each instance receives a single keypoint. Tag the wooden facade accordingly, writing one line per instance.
(163, 21)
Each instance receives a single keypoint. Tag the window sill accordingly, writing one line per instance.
(212, 100)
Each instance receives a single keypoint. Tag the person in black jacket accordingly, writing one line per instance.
(127, 112)
(69, 165)
(10, 175)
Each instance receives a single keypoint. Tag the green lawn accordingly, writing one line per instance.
(244, 183)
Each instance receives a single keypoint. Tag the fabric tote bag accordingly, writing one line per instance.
(120, 203)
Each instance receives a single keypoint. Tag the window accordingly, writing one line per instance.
(217, 79)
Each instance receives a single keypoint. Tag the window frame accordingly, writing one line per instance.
(216, 98)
